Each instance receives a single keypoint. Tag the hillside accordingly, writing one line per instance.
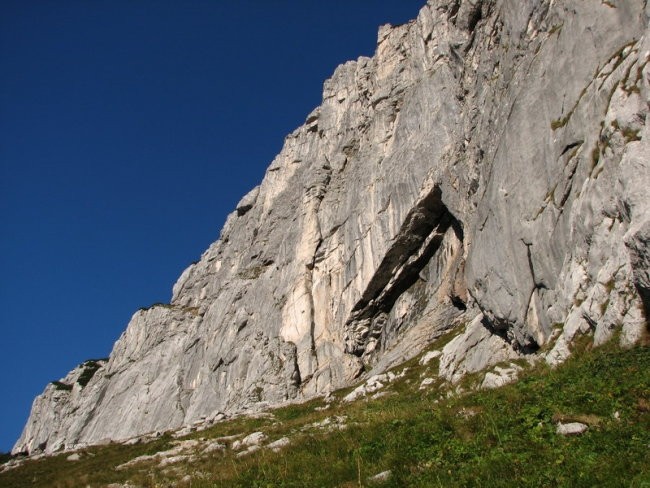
(420, 435)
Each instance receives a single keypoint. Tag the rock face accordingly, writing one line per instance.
(487, 170)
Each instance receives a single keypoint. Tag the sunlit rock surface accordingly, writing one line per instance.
(486, 171)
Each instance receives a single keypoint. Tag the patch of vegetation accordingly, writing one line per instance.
(631, 89)
(628, 133)
(90, 368)
(252, 273)
(496, 438)
(157, 304)
(96, 467)
(561, 122)
(620, 55)
(191, 310)
(258, 391)
(604, 306)
(631, 135)
(60, 385)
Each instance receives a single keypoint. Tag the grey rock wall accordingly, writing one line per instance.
(485, 171)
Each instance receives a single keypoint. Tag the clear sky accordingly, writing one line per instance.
(129, 129)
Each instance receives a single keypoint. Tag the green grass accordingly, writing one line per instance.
(503, 437)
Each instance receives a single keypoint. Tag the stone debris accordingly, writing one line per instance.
(185, 431)
(165, 458)
(373, 384)
(468, 412)
(74, 457)
(426, 382)
(187, 451)
(278, 445)
(381, 394)
(474, 350)
(136, 461)
(380, 477)
(201, 424)
(358, 392)
(254, 439)
(166, 461)
(428, 357)
(501, 376)
(261, 415)
(229, 438)
(571, 428)
(213, 447)
(337, 422)
(248, 450)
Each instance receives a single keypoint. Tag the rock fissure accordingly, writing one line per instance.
(415, 245)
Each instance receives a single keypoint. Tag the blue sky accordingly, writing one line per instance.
(129, 129)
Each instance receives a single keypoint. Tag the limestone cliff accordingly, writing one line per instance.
(486, 170)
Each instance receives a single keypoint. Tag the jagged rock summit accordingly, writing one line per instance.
(486, 171)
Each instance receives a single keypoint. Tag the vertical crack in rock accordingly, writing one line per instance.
(416, 243)
(638, 245)
(180, 391)
(298, 319)
(535, 319)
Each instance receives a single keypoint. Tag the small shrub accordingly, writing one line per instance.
(631, 135)
(59, 385)
(90, 368)
(557, 123)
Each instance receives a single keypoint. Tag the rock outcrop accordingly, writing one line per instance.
(486, 171)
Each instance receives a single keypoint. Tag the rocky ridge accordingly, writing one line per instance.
(485, 171)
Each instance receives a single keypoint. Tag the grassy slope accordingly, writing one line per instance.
(503, 437)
